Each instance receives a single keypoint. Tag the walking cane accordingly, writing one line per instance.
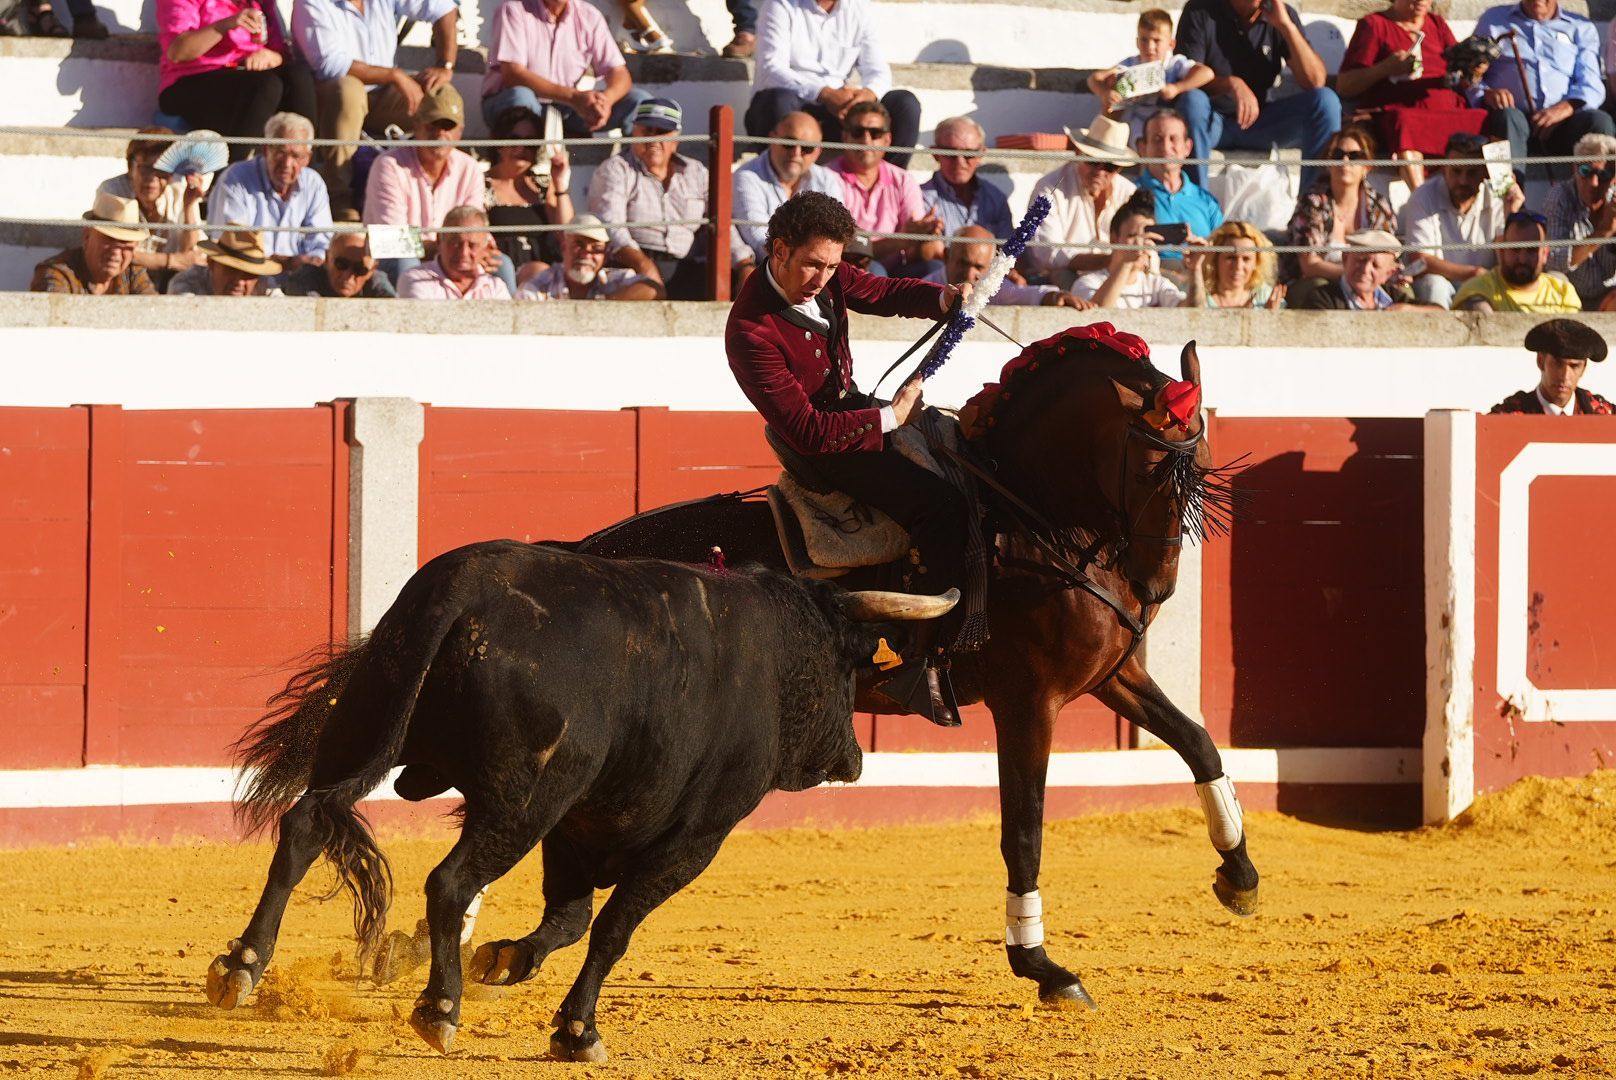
(1520, 68)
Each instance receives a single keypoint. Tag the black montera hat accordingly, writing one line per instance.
(1568, 339)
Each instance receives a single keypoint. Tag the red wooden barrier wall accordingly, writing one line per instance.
(161, 564)
(44, 520)
(1569, 619)
(1313, 611)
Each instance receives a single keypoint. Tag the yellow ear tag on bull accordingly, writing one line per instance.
(884, 657)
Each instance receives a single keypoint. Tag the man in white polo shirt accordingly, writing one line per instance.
(1456, 206)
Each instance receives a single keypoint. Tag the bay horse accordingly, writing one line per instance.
(1094, 497)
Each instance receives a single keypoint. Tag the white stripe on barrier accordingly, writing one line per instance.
(103, 785)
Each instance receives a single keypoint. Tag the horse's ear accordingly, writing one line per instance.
(1189, 364)
(1130, 400)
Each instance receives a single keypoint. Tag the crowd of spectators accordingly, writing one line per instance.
(1121, 232)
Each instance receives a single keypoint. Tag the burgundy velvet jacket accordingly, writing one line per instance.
(795, 375)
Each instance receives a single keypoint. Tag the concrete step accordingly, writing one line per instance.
(1008, 32)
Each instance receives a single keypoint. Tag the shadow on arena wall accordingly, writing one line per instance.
(1314, 616)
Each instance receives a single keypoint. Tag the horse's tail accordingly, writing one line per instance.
(336, 731)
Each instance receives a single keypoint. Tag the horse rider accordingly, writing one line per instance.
(1564, 349)
(787, 342)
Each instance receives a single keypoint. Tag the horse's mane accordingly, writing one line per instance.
(1098, 350)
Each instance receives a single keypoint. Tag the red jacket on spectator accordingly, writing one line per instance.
(797, 376)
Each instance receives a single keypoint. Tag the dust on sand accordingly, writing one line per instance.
(1484, 948)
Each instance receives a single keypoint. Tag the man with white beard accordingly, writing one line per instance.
(582, 273)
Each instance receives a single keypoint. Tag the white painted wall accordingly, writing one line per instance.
(179, 367)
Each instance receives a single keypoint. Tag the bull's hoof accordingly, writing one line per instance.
(1243, 902)
(434, 1021)
(1069, 998)
(401, 953)
(232, 975)
(503, 963)
(577, 1041)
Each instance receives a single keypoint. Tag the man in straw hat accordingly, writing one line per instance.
(238, 264)
(1084, 195)
(1564, 349)
(103, 263)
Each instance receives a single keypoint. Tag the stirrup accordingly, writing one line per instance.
(923, 689)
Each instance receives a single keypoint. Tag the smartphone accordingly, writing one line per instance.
(1172, 232)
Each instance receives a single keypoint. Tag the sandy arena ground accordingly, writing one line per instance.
(1486, 948)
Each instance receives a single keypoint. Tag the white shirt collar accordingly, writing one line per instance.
(808, 309)
(1551, 409)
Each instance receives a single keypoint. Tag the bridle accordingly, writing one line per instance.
(1177, 450)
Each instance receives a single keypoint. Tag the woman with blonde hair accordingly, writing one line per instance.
(1242, 278)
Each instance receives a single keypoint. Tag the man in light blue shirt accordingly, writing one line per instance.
(1560, 52)
(954, 195)
(351, 45)
(762, 185)
(277, 188)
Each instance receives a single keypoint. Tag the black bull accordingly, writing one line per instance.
(625, 714)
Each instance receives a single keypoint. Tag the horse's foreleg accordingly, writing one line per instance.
(1025, 733)
(1134, 695)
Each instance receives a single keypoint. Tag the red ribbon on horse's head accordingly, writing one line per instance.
(1176, 404)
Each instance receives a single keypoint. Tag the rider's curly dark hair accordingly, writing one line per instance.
(809, 215)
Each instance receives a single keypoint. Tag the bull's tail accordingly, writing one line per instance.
(367, 701)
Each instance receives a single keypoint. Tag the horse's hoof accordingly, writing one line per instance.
(232, 975)
(1069, 998)
(400, 954)
(502, 963)
(228, 987)
(575, 1042)
(1243, 902)
(430, 1020)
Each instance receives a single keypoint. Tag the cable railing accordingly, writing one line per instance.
(722, 141)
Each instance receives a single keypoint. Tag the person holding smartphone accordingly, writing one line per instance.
(1183, 210)
(1133, 278)
(226, 66)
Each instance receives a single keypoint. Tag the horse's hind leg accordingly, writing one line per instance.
(1134, 695)
(232, 976)
(569, 896)
(1025, 732)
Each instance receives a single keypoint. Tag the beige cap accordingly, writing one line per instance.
(444, 103)
(1105, 138)
(590, 227)
(1374, 239)
(122, 217)
(242, 249)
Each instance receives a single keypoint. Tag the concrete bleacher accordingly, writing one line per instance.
(1014, 66)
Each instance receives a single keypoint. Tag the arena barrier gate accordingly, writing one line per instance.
(159, 567)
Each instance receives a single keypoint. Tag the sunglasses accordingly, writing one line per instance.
(1604, 176)
(1104, 166)
(856, 133)
(350, 266)
(1346, 155)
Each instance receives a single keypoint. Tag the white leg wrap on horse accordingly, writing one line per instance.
(468, 921)
(1222, 809)
(1024, 919)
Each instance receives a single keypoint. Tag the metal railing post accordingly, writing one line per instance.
(721, 125)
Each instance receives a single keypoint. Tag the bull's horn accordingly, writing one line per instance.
(874, 606)
(1189, 364)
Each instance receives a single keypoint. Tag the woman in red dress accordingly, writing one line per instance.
(1394, 70)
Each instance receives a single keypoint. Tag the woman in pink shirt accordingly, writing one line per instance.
(226, 66)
